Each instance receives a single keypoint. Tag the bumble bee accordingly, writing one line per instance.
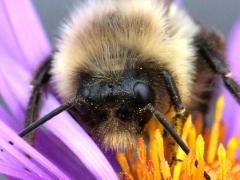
(114, 58)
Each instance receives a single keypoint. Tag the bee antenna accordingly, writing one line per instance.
(168, 128)
(172, 132)
(65, 106)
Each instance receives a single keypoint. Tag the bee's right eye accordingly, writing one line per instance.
(85, 93)
(143, 93)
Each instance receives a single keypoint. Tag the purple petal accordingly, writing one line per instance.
(178, 2)
(78, 141)
(21, 35)
(8, 135)
(232, 110)
(23, 41)
(7, 119)
(81, 145)
(16, 172)
(22, 159)
(58, 153)
(14, 87)
(8, 159)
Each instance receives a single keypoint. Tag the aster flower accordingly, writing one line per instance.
(58, 153)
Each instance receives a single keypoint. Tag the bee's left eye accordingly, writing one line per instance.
(143, 93)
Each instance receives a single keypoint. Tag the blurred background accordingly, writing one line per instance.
(220, 14)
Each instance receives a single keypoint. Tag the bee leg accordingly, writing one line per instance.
(220, 68)
(173, 94)
(40, 79)
(177, 121)
(175, 100)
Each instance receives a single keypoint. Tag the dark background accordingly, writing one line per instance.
(221, 14)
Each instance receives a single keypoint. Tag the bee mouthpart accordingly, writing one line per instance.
(117, 135)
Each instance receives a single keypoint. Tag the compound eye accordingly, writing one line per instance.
(86, 93)
(143, 93)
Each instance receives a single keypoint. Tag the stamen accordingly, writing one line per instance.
(152, 163)
(214, 136)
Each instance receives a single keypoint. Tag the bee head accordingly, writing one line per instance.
(113, 58)
(122, 99)
(115, 105)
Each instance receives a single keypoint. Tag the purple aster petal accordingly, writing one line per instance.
(58, 153)
(14, 87)
(16, 172)
(78, 141)
(10, 160)
(21, 34)
(178, 2)
(16, 79)
(20, 147)
(81, 145)
(7, 119)
(232, 110)
(23, 46)
(22, 159)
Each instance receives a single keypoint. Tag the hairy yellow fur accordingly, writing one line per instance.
(102, 36)
(89, 39)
